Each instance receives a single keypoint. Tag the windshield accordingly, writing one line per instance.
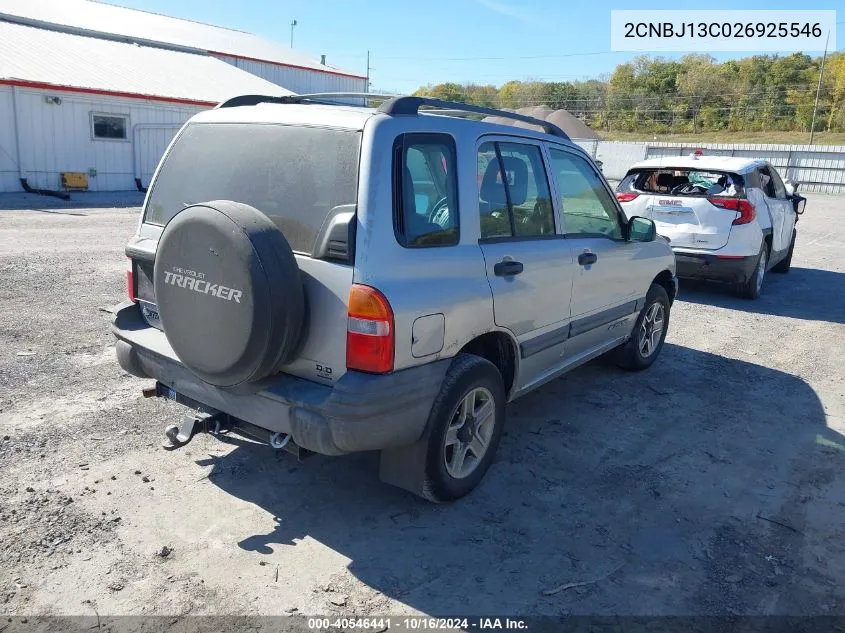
(295, 175)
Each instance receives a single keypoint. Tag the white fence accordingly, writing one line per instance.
(818, 168)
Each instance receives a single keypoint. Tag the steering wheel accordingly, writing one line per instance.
(440, 213)
(687, 188)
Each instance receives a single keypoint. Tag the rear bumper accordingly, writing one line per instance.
(713, 267)
(359, 412)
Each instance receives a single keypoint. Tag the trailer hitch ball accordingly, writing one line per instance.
(171, 432)
(279, 440)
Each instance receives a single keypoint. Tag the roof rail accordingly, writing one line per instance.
(316, 97)
(411, 105)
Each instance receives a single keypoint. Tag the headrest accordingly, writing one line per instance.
(665, 179)
(516, 171)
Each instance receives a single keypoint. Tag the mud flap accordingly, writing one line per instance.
(405, 467)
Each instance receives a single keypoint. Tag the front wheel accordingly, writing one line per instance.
(649, 333)
(466, 424)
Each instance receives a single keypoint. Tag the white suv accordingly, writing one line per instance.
(727, 219)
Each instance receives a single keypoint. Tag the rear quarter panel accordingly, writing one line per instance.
(447, 280)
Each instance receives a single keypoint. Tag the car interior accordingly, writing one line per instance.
(687, 182)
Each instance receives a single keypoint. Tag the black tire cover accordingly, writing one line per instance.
(228, 291)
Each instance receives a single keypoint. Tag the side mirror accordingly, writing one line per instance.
(798, 203)
(640, 229)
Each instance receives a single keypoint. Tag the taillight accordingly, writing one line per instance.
(625, 196)
(746, 210)
(130, 281)
(369, 331)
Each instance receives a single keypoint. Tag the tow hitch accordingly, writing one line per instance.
(217, 423)
(192, 423)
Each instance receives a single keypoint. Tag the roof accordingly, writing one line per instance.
(719, 163)
(54, 60)
(355, 117)
(339, 116)
(142, 26)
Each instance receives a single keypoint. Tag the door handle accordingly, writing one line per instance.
(507, 268)
(585, 259)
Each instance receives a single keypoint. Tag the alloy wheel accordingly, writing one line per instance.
(651, 329)
(469, 433)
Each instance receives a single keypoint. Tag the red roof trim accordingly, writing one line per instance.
(267, 61)
(110, 93)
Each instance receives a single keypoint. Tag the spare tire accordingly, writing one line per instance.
(229, 292)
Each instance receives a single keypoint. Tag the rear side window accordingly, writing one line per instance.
(513, 195)
(293, 174)
(425, 190)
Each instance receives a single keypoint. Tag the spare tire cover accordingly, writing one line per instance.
(228, 291)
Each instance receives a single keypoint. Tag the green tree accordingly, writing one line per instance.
(835, 72)
(694, 93)
(447, 91)
(701, 81)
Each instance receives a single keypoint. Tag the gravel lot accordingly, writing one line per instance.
(713, 483)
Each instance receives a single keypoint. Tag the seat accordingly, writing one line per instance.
(492, 193)
(665, 180)
(416, 224)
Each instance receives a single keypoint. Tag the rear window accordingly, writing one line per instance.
(295, 175)
(683, 182)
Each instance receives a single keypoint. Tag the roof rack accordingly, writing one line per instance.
(411, 106)
(395, 105)
(316, 97)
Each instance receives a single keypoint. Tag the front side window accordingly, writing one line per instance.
(514, 198)
(780, 190)
(767, 183)
(425, 190)
(111, 127)
(587, 207)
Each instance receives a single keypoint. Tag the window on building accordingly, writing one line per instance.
(107, 126)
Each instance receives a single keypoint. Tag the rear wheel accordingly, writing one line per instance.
(466, 424)
(785, 264)
(753, 286)
(649, 332)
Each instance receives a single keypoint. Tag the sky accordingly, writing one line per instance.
(480, 41)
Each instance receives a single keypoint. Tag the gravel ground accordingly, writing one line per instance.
(714, 483)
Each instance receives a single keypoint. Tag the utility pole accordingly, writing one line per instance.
(818, 90)
(292, 24)
(367, 87)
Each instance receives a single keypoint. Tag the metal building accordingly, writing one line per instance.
(91, 94)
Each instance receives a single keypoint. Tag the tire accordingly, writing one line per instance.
(642, 349)
(785, 264)
(753, 286)
(469, 378)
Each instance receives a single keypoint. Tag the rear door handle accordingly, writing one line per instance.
(507, 268)
(585, 259)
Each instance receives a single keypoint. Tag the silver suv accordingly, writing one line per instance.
(330, 278)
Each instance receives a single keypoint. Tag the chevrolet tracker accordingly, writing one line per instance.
(333, 278)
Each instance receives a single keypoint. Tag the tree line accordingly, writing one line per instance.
(692, 94)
